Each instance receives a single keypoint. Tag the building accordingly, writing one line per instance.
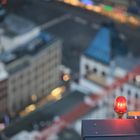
(11, 37)
(3, 88)
(106, 59)
(29, 65)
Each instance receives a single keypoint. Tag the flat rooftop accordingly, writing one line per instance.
(25, 52)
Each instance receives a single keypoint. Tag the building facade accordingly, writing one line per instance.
(31, 70)
(102, 63)
(3, 89)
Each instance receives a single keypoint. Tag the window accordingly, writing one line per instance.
(114, 95)
(103, 74)
(136, 96)
(21, 76)
(94, 70)
(134, 80)
(14, 89)
(21, 103)
(129, 92)
(14, 107)
(86, 67)
(121, 89)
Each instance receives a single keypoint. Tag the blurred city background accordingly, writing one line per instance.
(62, 61)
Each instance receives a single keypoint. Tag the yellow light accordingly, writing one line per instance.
(89, 7)
(97, 9)
(67, 1)
(133, 20)
(34, 98)
(58, 91)
(74, 2)
(66, 77)
(30, 108)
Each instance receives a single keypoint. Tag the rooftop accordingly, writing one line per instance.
(100, 47)
(13, 22)
(127, 62)
(22, 54)
(108, 45)
(30, 48)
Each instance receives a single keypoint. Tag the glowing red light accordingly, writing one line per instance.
(120, 105)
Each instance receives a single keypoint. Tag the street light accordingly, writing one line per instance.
(120, 106)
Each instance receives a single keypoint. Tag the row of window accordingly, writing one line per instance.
(129, 92)
(42, 77)
(94, 71)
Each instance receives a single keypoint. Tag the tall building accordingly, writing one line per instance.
(29, 66)
(106, 59)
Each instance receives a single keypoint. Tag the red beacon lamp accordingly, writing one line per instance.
(120, 106)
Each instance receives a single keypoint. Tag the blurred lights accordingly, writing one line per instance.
(108, 8)
(116, 13)
(120, 106)
(97, 9)
(133, 20)
(34, 98)
(56, 94)
(66, 77)
(30, 108)
(87, 2)
(58, 91)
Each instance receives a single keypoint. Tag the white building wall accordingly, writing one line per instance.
(10, 43)
(88, 85)
(110, 71)
(92, 64)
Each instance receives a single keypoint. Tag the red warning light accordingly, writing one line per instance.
(120, 105)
